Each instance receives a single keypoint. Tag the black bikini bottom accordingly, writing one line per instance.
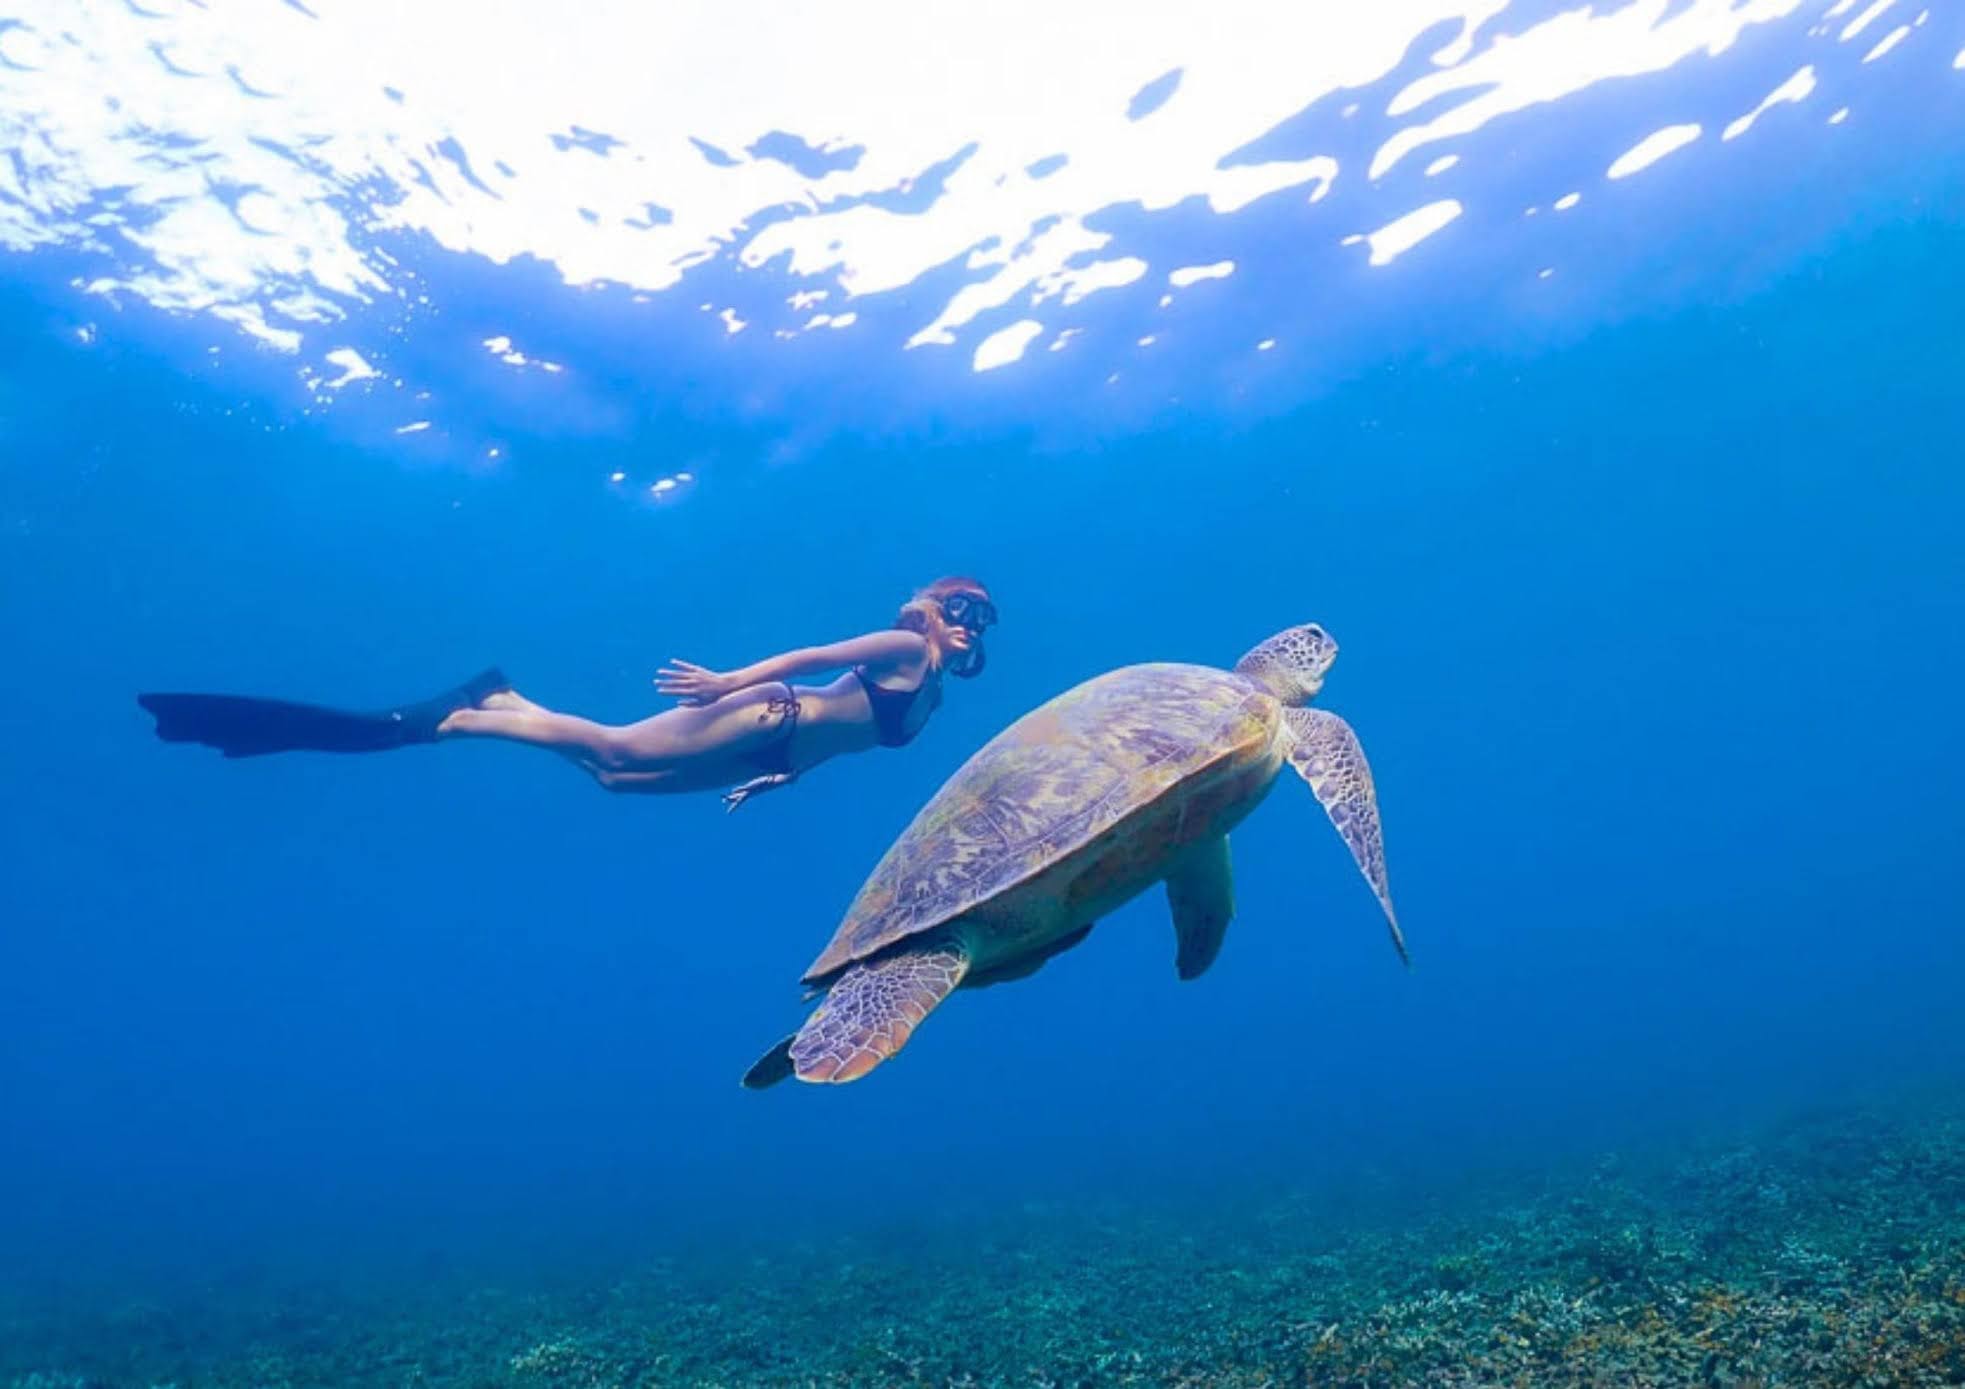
(775, 758)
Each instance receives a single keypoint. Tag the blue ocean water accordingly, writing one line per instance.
(1652, 617)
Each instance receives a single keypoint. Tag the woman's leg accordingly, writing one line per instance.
(511, 717)
(667, 752)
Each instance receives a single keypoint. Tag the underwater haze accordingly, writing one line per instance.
(1592, 374)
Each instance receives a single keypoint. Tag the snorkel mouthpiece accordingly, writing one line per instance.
(967, 665)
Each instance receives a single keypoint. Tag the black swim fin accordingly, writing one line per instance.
(242, 726)
(772, 1067)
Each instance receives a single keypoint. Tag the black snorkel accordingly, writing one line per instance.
(967, 665)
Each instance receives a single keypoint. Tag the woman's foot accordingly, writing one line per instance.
(498, 701)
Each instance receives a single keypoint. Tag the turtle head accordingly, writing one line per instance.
(1291, 664)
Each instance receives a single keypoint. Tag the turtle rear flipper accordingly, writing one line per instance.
(1201, 893)
(1327, 754)
(868, 1014)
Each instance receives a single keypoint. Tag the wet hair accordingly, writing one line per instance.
(919, 612)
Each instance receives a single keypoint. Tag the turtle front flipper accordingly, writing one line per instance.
(868, 1014)
(1201, 893)
(1326, 753)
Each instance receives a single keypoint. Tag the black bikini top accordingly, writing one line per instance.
(892, 707)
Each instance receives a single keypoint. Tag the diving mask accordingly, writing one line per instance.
(974, 613)
(971, 610)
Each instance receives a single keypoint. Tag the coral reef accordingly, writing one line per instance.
(1830, 1250)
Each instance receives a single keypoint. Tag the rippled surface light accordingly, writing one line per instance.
(1651, 149)
(1396, 238)
(1796, 88)
(260, 163)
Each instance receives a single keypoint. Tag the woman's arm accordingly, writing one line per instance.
(694, 684)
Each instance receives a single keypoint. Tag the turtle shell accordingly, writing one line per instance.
(1045, 787)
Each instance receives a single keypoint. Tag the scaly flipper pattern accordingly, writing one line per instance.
(871, 1011)
(1326, 753)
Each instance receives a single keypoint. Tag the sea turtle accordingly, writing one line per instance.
(1129, 779)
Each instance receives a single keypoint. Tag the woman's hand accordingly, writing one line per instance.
(692, 684)
(756, 786)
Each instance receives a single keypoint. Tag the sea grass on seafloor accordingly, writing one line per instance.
(1828, 1251)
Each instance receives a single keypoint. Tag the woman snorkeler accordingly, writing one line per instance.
(751, 730)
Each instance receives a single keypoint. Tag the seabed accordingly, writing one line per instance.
(1826, 1250)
